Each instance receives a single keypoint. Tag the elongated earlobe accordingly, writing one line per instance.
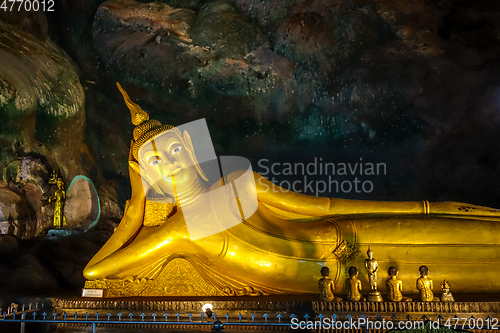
(190, 148)
(135, 166)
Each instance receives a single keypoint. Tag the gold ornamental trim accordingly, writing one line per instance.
(178, 278)
(346, 251)
(156, 213)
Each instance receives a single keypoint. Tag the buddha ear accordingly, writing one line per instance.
(187, 139)
(135, 166)
(131, 151)
(189, 143)
(131, 160)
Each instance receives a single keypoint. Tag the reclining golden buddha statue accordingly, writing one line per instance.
(243, 235)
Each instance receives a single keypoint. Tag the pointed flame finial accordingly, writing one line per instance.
(138, 115)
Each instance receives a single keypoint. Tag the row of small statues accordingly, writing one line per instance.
(394, 285)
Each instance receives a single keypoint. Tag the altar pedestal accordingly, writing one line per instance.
(259, 313)
(177, 278)
(375, 296)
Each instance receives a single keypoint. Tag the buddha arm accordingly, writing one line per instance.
(132, 217)
(289, 201)
(129, 226)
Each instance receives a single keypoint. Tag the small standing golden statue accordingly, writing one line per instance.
(446, 296)
(425, 286)
(371, 266)
(59, 197)
(395, 287)
(353, 285)
(326, 287)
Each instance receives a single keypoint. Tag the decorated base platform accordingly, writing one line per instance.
(273, 313)
(177, 278)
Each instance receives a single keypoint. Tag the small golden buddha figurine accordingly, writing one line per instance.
(425, 286)
(277, 246)
(371, 265)
(59, 197)
(446, 296)
(353, 285)
(395, 287)
(53, 178)
(327, 287)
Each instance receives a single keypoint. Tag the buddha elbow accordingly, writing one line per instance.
(90, 273)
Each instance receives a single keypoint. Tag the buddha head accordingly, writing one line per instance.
(162, 155)
(59, 183)
(325, 271)
(369, 253)
(424, 270)
(353, 271)
(392, 271)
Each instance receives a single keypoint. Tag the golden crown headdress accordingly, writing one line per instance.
(445, 284)
(146, 129)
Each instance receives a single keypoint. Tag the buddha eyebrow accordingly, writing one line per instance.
(173, 143)
(149, 154)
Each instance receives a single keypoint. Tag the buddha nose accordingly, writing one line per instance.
(170, 167)
(169, 160)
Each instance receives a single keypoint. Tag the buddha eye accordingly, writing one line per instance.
(176, 150)
(155, 162)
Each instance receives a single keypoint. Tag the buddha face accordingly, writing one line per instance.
(168, 163)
